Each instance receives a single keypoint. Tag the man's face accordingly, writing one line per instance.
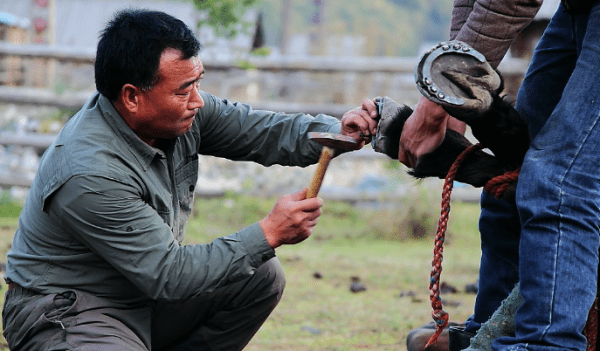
(168, 109)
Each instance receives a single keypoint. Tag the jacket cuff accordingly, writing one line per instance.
(335, 128)
(256, 245)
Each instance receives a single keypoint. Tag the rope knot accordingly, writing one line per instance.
(441, 320)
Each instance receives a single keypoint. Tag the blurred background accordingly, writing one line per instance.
(315, 56)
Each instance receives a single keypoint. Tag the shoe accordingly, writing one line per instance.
(458, 338)
(417, 338)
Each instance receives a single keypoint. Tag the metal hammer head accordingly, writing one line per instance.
(334, 141)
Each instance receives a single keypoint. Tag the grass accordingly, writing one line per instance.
(375, 245)
(379, 245)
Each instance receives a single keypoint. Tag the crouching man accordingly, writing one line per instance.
(97, 261)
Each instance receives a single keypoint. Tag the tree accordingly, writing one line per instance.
(223, 15)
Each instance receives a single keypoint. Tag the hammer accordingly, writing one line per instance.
(331, 142)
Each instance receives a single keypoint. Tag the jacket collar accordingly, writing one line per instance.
(143, 152)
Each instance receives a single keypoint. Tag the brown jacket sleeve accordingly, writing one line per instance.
(490, 26)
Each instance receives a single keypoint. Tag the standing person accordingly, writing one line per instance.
(97, 261)
(490, 27)
(549, 241)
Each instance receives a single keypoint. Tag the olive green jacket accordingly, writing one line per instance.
(106, 212)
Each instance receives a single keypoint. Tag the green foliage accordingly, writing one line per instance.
(245, 64)
(390, 27)
(223, 15)
(264, 51)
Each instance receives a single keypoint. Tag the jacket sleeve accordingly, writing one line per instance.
(238, 132)
(490, 26)
(125, 234)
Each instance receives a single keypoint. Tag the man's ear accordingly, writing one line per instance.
(130, 98)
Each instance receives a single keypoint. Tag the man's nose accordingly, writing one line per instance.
(196, 100)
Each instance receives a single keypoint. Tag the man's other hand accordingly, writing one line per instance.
(292, 219)
(425, 130)
(361, 122)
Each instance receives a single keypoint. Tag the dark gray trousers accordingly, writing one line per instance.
(225, 319)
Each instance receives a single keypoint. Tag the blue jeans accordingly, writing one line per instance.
(558, 195)
(499, 266)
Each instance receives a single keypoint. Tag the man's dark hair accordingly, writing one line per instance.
(131, 45)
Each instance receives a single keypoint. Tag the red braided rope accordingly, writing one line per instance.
(497, 185)
(440, 317)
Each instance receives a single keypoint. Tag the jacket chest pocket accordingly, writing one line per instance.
(186, 177)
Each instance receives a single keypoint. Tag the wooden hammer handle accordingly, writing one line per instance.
(317, 179)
